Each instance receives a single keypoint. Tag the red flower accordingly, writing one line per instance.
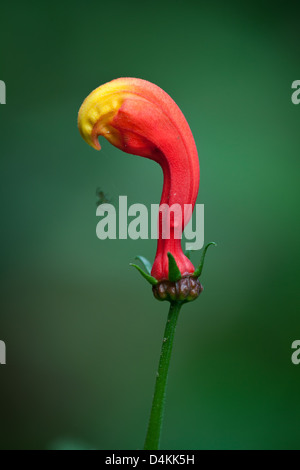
(139, 118)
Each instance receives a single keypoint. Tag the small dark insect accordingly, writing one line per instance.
(103, 198)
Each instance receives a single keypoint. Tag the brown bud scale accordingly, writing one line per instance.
(185, 290)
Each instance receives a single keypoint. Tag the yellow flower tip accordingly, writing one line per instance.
(97, 112)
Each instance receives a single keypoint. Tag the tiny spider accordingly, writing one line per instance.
(103, 198)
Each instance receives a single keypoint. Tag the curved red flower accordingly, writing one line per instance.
(139, 118)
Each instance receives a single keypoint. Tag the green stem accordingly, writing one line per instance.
(158, 404)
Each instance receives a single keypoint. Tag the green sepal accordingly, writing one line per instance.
(198, 271)
(148, 278)
(146, 263)
(174, 273)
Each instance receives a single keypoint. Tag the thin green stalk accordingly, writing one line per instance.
(159, 398)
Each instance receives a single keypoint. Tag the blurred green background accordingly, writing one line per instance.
(82, 329)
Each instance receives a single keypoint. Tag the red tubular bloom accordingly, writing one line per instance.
(141, 119)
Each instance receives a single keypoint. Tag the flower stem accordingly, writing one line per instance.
(159, 398)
